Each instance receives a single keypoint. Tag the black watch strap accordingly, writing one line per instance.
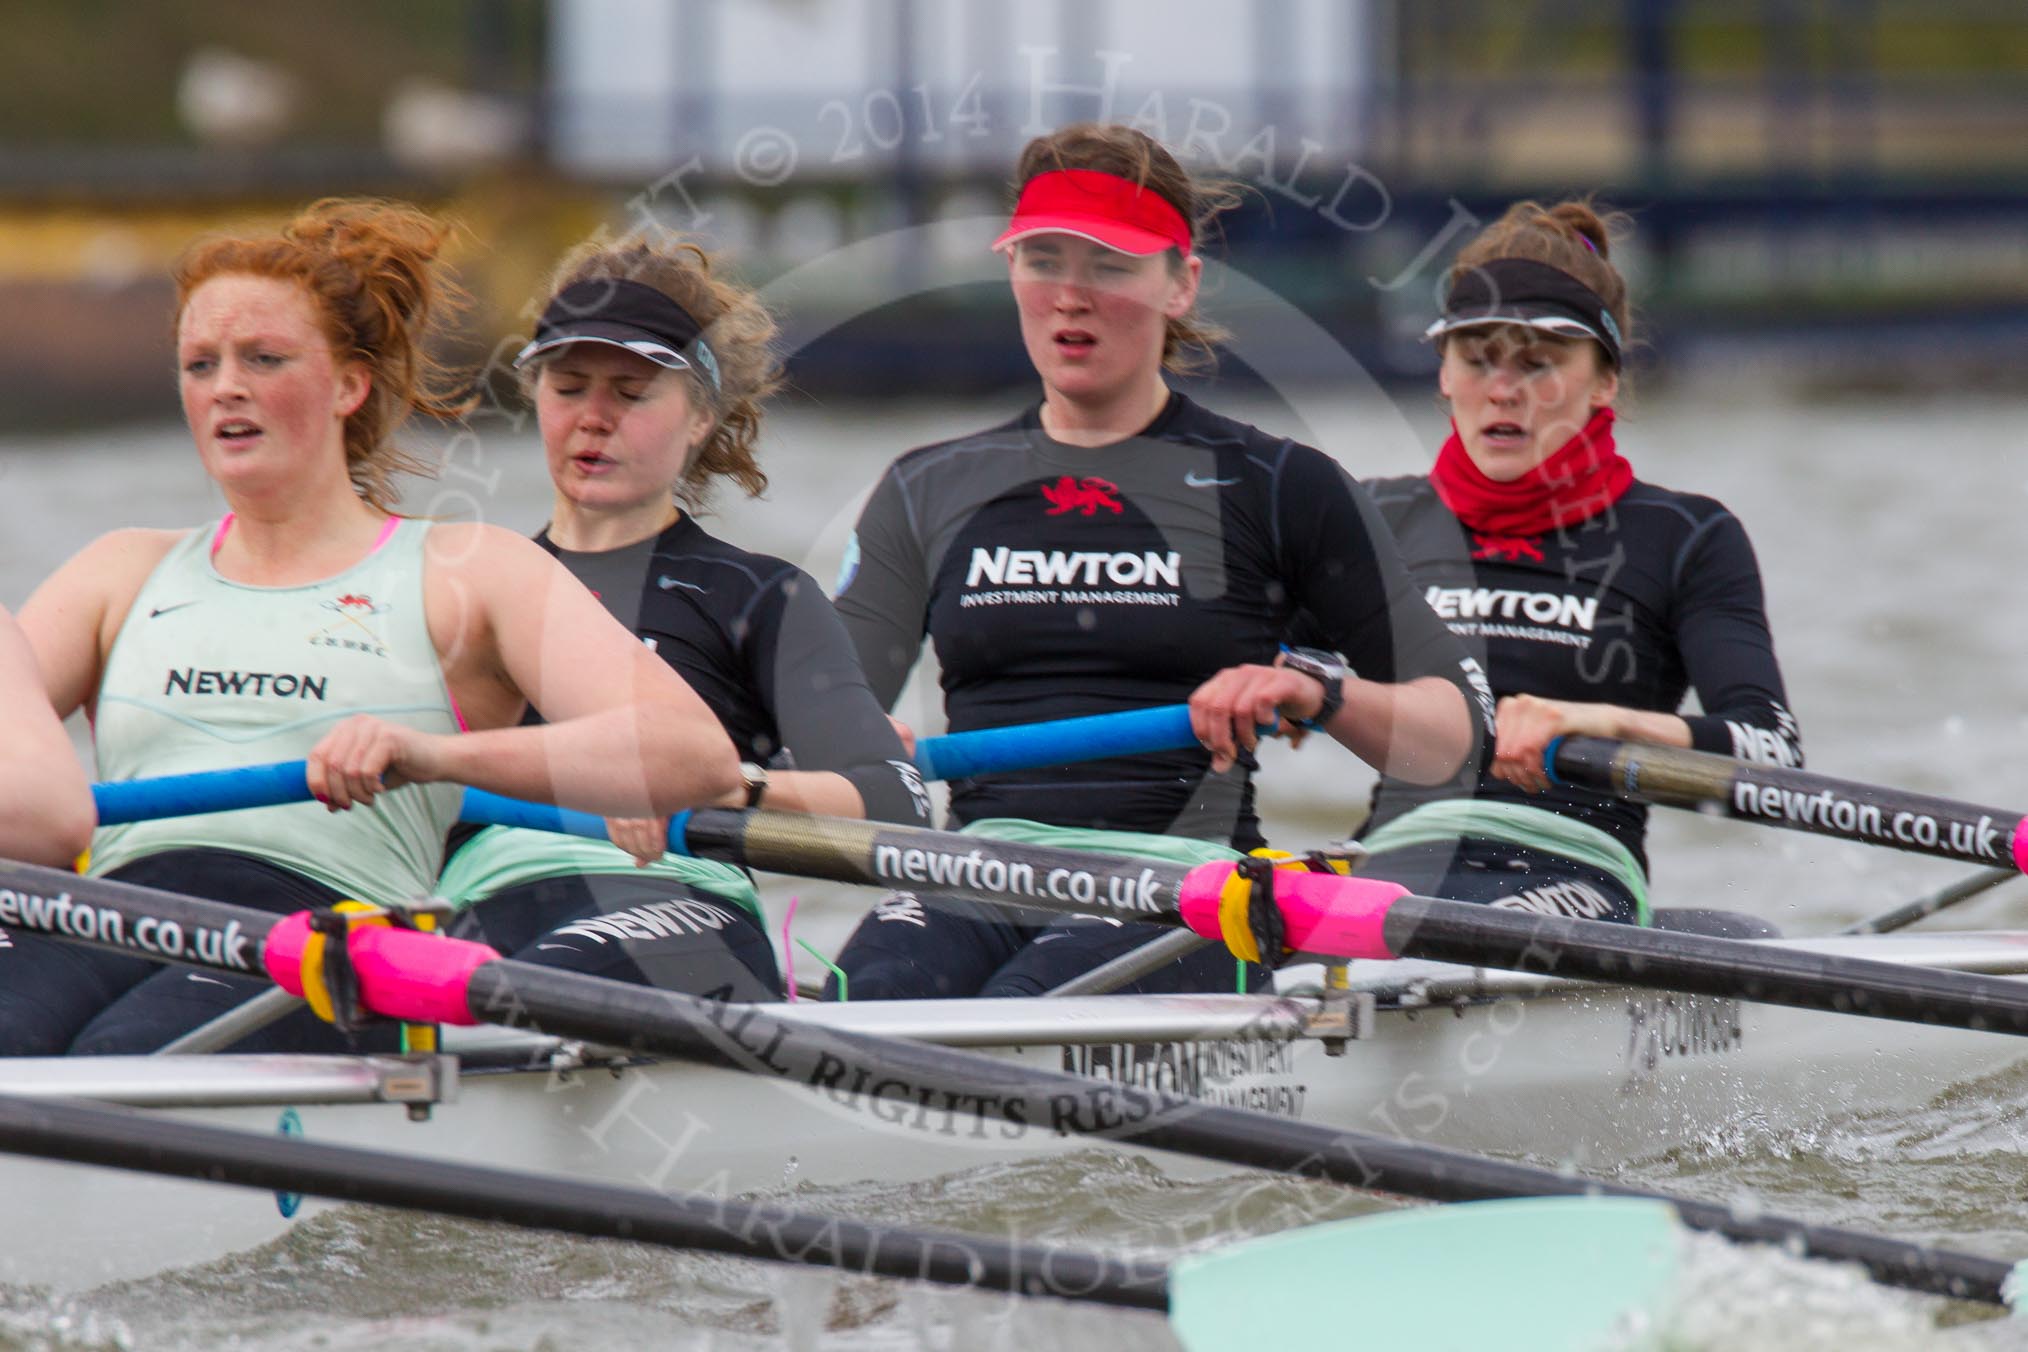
(1327, 670)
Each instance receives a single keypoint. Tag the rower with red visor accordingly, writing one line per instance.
(1117, 546)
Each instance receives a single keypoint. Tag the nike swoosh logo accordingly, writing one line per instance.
(668, 582)
(206, 980)
(164, 610)
(1193, 481)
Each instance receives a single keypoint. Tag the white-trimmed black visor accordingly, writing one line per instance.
(1530, 294)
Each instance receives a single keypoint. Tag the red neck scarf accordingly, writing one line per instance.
(1577, 483)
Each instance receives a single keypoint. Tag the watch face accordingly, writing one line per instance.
(1324, 666)
(1326, 670)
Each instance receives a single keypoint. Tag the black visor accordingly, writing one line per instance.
(1534, 295)
(630, 315)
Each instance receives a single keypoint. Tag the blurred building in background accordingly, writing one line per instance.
(1840, 183)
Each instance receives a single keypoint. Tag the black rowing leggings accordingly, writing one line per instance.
(1512, 877)
(638, 928)
(92, 1001)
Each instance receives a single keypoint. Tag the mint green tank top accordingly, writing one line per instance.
(209, 674)
(501, 857)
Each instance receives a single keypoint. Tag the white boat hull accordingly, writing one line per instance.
(1554, 1072)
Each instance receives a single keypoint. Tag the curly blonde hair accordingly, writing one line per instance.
(738, 328)
(1189, 343)
(372, 270)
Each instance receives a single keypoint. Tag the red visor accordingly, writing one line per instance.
(1101, 207)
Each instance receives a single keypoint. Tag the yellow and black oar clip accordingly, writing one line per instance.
(331, 983)
(1251, 923)
(1248, 918)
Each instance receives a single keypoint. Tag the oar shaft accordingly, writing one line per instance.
(950, 1092)
(408, 975)
(1940, 900)
(1793, 799)
(1326, 914)
(138, 921)
(54, 1129)
(947, 863)
(1773, 974)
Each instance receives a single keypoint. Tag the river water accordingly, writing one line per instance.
(1887, 530)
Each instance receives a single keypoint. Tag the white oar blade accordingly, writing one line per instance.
(1554, 1273)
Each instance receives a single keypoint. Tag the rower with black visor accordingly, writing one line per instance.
(1595, 601)
(648, 372)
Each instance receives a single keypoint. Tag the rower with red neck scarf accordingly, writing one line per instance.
(1595, 601)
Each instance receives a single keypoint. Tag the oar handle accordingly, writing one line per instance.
(1062, 741)
(136, 800)
(284, 782)
(491, 809)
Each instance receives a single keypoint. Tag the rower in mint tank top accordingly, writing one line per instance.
(208, 673)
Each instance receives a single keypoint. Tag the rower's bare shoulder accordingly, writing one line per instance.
(476, 549)
(480, 577)
(129, 550)
(110, 568)
(72, 619)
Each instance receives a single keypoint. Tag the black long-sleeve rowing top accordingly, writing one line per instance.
(756, 638)
(1057, 581)
(1636, 606)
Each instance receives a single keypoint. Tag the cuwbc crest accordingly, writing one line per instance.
(1512, 548)
(1084, 496)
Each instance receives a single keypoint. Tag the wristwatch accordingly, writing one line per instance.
(1329, 671)
(755, 776)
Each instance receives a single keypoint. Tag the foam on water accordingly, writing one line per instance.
(1736, 1299)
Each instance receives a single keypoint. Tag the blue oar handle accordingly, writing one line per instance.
(138, 800)
(490, 809)
(1064, 741)
(1135, 732)
(190, 795)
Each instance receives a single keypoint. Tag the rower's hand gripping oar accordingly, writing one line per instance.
(407, 974)
(957, 755)
(1795, 800)
(1559, 1272)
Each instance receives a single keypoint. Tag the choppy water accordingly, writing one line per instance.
(1887, 531)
